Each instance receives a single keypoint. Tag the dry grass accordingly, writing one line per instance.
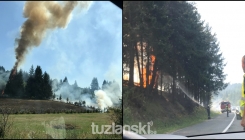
(38, 106)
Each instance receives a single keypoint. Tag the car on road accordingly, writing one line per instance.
(238, 113)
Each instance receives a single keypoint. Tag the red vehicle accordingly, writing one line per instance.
(223, 106)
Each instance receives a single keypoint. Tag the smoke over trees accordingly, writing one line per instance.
(39, 86)
(106, 97)
(3, 78)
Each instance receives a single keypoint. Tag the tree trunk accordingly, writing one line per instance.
(174, 88)
(153, 76)
(131, 59)
(147, 68)
(131, 66)
(142, 63)
(161, 82)
(137, 56)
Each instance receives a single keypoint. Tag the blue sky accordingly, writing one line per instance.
(90, 46)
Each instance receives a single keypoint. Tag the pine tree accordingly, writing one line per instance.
(94, 86)
(47, 88)
(31, 72)
(65, 80)
(60, 98)
(15, 86)
(30, 85)
(53, 96)
(104, 85)
(84, 103)
(75, 84)
(38, 85)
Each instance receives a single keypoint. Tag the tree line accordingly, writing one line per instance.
(37, 85)
(169, 45)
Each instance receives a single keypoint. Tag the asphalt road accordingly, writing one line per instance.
(219, 124)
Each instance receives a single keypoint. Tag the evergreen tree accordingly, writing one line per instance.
(53, 96)
(84, 103)
(75, 84)
(15, 87)
(2, 69)
(38, 84)
(104, 84)
(183, 48)
(31, 72)
(65, 80)
(47, 88)
(94, 86)
(30, 85)
(19, 84)
(60, 98)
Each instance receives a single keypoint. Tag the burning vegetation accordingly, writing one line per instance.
(142, 65)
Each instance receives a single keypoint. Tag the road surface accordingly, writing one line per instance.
(219, 124)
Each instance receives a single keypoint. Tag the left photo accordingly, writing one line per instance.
(60, 69)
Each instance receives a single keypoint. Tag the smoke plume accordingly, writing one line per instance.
(102, 99)
(108, 96)
(41, 16)
(3, 79)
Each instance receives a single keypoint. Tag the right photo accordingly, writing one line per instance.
(183, 70)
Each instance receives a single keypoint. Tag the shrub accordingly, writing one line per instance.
(5, 123)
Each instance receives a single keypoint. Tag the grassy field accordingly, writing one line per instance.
(69, 126)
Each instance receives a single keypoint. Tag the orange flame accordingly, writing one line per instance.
(136, 82)
(136, 70)
(13, 73)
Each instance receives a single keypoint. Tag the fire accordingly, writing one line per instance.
(125, 77)
(136, 69)
(13, 73)
(150, 71)
(153, 58)
(136, 73)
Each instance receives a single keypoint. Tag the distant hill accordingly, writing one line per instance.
(232, 93)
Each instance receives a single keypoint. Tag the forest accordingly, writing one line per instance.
(38, 85)
(167, 48)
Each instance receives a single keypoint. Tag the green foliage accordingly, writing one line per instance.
(65, 80)
(116, 114)
(232, 93)
(38, 85)
(94, 86)
(15, 86)
(47, 89)
(183, 46)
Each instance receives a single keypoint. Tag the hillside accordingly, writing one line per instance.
(20, 106)
(166, 115)
(231, 93)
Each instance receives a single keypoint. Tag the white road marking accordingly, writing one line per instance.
(230, 123)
